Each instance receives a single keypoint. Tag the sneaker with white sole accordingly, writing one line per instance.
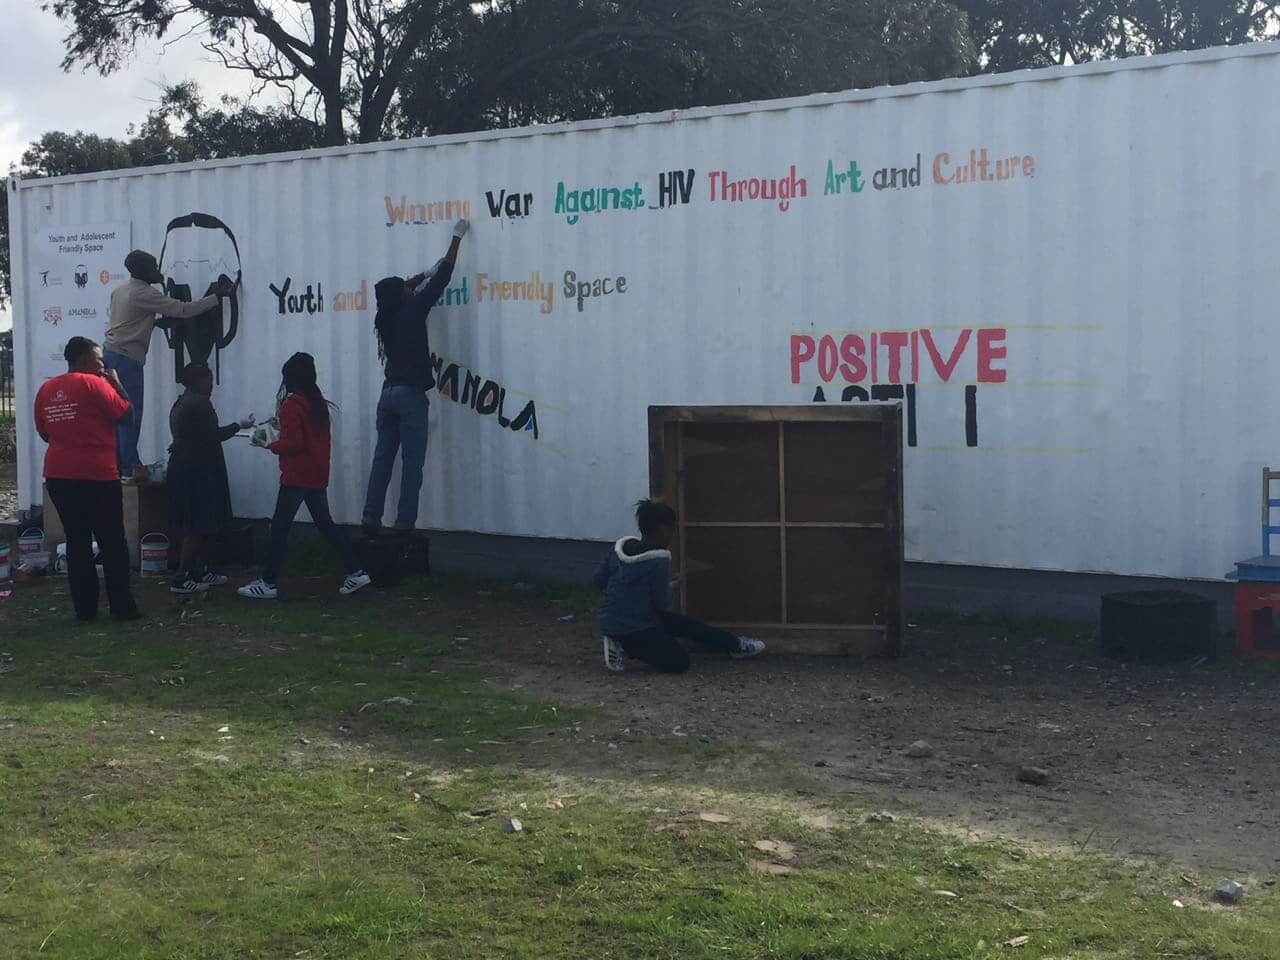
(259, 590)
(615, 658)
(354, 581)
(748, 647)
(185, 585)
(211, 579)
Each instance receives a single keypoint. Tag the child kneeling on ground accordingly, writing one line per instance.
(636, 581)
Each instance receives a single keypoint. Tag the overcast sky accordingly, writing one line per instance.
(35, 95)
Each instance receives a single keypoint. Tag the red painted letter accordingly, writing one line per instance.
(894, 342)
(947, 368)
(828, 358)
(802, 351)
(991, 347)
(852, 348)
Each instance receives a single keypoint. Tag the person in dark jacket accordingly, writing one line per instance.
(199, 495)
(635, 618)
(401, 328)
(303, 448)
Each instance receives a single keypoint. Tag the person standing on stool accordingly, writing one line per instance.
(76, 415)
(134, 309)
(401, 328)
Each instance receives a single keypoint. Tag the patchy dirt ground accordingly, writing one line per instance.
(1180, 763)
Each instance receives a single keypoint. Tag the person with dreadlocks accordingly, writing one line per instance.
(400, 326)
(303, 449)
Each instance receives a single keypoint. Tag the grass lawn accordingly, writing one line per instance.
(330, 781)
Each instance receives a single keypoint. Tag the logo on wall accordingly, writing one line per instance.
(191, 268)
(81, 276)
(50, 279)
(53, 315)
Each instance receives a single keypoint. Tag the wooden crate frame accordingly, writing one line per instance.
(665, 481)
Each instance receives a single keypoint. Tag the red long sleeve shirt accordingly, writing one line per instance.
(303, 445)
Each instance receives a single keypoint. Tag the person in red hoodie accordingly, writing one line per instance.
(303, 449)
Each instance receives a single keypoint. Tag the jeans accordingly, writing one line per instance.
(94, 510)
(287, 503)
(402, 425)
(660, 646)
(130, 373)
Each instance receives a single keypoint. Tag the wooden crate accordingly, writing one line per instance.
(790, 521)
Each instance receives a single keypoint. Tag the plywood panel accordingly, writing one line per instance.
(730, 471)
(836, 576)
(732, 574)
(836, 472)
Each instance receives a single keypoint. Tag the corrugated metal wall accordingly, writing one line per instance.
(1088, 333)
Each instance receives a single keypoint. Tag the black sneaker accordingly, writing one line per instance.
(185, 584)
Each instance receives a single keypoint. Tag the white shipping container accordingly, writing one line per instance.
(1062, 274)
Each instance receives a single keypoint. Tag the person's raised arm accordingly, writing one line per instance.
(156, 302)
(433, 289)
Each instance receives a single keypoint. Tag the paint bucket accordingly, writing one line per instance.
(30, 543)
(154, 550)
(267, 432)
(60, 567)
(6, 569)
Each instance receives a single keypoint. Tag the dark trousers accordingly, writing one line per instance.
(660, 646)
(287, 503)
(94, 510)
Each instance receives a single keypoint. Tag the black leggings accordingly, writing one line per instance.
(660, 646)
(287, 503)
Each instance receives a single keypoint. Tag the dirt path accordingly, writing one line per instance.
(1180, 763)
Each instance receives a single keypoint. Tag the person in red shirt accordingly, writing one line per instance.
(303, 449)
(76, 415)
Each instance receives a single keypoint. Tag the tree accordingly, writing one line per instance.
(535, 61)
(1017, 34)
(342, 63)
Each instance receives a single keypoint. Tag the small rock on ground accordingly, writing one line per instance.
(1228, 892)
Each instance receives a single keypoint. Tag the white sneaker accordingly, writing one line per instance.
(354, 581)
(259, 590)
(748, 647)
(211, 579)
(615, 658)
